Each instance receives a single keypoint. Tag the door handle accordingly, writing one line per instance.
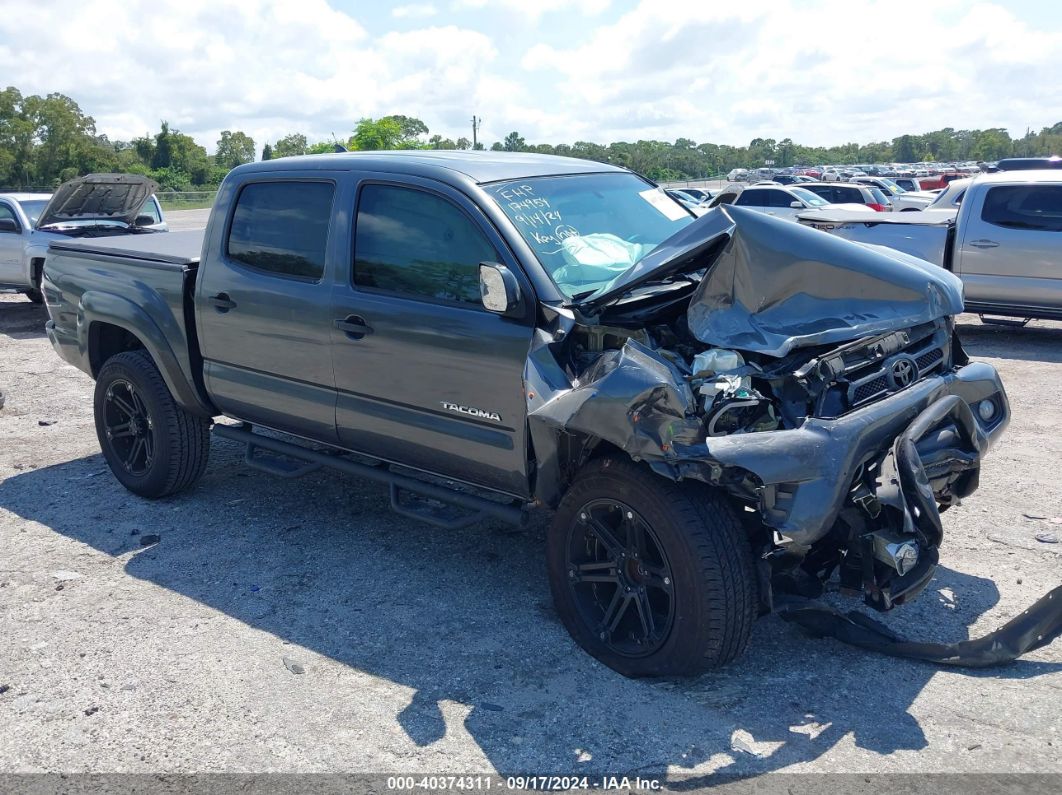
(354, 327)
(983, 243)
(222, 302)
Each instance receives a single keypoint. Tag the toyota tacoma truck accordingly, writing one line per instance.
(714, 409)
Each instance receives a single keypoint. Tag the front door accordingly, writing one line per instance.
(425, 376)
(12, 248)
(262, 306)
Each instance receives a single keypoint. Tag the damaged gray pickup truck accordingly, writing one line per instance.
(716, 408)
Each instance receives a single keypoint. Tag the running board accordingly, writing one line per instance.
(481, 508)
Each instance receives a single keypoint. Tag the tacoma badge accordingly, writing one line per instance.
(471, 412)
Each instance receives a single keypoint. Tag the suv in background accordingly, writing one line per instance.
(850, 193)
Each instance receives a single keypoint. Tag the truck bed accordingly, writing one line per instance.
(142, 285)
(924, 235)
(182, 249)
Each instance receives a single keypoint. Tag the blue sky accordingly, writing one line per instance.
(816, 71)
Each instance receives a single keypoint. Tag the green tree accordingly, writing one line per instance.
(385, 133)
(412, 128)
(234, 149)
(267, 152)
(464, 143)
(291, 145)
(513, 142)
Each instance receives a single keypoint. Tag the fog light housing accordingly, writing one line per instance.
(986, 410)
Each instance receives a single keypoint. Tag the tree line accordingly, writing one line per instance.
(47, 140)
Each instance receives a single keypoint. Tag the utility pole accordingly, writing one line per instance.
(475, 129)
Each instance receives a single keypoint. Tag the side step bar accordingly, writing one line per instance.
(512, 512)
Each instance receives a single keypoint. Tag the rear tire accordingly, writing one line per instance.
(689, 534)
(153, 446)
(35, 295)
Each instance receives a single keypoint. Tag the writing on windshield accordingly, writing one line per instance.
(587, 229)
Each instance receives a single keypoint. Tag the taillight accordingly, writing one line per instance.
(878, 207)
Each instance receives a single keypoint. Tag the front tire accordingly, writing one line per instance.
(35, 295)
(651, 577)
(153, 446)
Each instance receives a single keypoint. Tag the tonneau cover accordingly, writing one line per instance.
(174, 248)
(911, 218)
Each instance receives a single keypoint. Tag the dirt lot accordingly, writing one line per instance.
(432, 651)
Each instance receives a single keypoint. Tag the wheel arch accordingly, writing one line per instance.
(109, 324)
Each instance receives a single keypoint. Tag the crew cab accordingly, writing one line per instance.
(712, 408)
(1000, 233)
(92, 206)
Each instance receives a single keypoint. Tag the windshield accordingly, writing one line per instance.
(587, 229)
(32, 208)
(809, 198)
(893, 186)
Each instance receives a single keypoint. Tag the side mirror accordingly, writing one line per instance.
(9, 225)
(796, 205)
(145, 220)
(498, 288)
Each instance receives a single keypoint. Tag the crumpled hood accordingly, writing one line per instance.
(778, 285)
(773, 285)
(108, 197)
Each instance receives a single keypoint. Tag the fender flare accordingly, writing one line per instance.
(102, 307)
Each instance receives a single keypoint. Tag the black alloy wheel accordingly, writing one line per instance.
(620, 578)
(128, 427)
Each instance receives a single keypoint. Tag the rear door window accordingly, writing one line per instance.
(1032, 207)
(281, 228)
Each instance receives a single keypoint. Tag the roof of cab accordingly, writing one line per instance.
(479, 166)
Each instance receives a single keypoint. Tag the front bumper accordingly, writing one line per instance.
(805, 476)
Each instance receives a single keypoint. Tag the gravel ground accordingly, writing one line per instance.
(257, 624)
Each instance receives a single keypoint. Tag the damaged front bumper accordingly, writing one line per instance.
(805, 475)
(868, 484)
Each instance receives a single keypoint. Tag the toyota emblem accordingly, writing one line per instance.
(903, 372)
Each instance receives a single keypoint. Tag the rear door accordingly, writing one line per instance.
(425, 376)
(262, 304)
(1010, 252)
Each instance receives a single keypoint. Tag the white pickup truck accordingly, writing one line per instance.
(97, 205)
(1005, 241)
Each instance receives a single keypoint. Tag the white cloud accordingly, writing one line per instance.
(821, 73)
(533, 9)
(824, 74)
(209, 65)
(414, 11)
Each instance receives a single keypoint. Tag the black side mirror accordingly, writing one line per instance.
(9, 225)
(144, 220)
(498, 288)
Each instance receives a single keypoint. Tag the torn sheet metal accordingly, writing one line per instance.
(634, 398)
(778, 285)
(1035, 628)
